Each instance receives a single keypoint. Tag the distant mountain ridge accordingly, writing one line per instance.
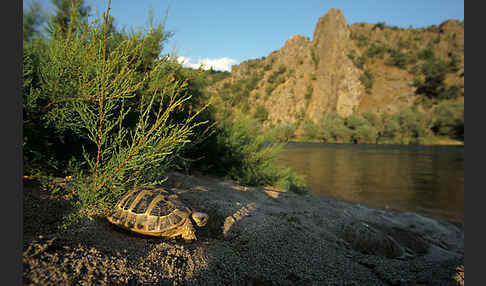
(345, 69)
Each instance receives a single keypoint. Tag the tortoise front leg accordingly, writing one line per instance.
(188, 231)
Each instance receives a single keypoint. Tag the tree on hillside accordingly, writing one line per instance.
(433, 84)
(449, 119)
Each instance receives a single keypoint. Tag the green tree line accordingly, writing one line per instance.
(409, 126)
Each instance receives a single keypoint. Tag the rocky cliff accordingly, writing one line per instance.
(344, 69)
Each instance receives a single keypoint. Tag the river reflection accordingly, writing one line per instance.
(422, 179)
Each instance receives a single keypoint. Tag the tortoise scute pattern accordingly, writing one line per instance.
(156, 212)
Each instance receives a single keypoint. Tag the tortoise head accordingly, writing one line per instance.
(201, 219)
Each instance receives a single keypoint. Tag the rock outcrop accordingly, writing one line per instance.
(337, 87)
(345, 69)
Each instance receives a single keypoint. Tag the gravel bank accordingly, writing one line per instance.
(255, 236)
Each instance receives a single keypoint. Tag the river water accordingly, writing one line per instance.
(422, 179)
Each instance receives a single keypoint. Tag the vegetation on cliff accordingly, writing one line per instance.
(397, 74)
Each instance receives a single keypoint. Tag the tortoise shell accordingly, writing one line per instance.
(154, 211)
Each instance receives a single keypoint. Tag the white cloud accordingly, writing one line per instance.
(221, 64)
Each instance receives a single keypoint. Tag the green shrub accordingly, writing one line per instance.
(310, 130)
(278, 76)
(284, 132)
(397, 59)
(354, 121)
(453, 64)
(390, 130)
(367, 80)
(269, 89)
(376, 51)
(261, 113)
(366, 134)
(414, 125)
(245, 150)
(426, 54)
(372, 118)
(433, 85)
(379, 25)
(403, 44)
(362, 41)
(449, 119)
(332, 129)
(123, 115)
(358, 61)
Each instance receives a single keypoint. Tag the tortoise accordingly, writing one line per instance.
(154, 211)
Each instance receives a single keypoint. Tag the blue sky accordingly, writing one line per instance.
(228, 32)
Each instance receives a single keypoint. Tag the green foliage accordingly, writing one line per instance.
(371, 118)
(352, 55)
(361, 129)
(240, 89)
(449, 119)
(362, 41)
(211, 77)
(354, 121)
(261, 113)
(358, 61)
(106, 107)
(453, 63)
(366, 79)
(365, 134)
(375, 50)
(85, 94)
(310, 130)
(283, 132)
(433, 85)
(390, 129)
(287, 179)
(244, 153)
(397, 59)
(278, 76)
(403, 44)
(275, 79)
(426, 54)
(332, 129)
(414, 126)
(269, 89)
(379, 25)
(409, 126)
(414, 70)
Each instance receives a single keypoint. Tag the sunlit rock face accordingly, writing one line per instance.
(319, 75)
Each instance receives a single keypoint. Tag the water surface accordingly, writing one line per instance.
(422, 179)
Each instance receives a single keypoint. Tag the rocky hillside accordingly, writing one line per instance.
(348, 69)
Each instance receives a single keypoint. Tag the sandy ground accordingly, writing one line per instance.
(255, 236)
